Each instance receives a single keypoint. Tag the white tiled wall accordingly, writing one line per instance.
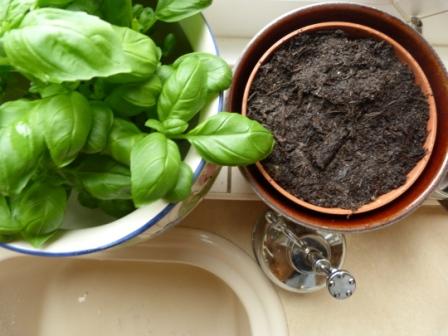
(248, 16)
(243, 18)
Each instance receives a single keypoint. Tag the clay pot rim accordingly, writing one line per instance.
(421, 80)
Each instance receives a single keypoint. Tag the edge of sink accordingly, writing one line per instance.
(217, 256)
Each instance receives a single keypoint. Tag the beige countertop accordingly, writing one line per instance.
(400, 270)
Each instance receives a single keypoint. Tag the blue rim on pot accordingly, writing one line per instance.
(152, 219)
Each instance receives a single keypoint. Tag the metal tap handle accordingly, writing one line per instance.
(340, 283)
(311, 252)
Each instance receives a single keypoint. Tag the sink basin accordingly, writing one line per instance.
(188, 282)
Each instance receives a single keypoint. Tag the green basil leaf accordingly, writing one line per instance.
(137, 9)
(219, 73)
(56, 45)
(155, 164)
(54, 3)
(174, 126)
(122, 138)
(141, 55)
(103, 119)
(12, 13)
(8, 225)
(144, 18)
(39, 241)
(20, 150)
(176, 10)
(168, 127)
(104, 178)
(155, 125)
(132, 99)
(184, 93)
(14, 111)
(66, 123)
(230, 139)
(182, 189)
(168, 44)
(164, 72)
(40, 208)
(117, 208)
(117, 12)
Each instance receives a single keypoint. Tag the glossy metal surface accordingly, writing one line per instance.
(299, 260)
(422, 53)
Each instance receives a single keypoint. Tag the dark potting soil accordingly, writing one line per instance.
(349, 121)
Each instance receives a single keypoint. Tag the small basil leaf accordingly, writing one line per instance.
(66, 123)
(169, 42)
(174, 126)
(20, 150)
(131, 99)
(56, 45)
(144, 18)
(117, 12)
(168, 127)
(8, 225)
(182, 189)
(155, 164)
(137, 9)
(155, 125)
(184, 93)
(40, 208)
(230, 139)
(12, 13)
(122, 138)
(141, 55)
(176, 10)
(103, 119)
(117, 208)
(219, 73)
(53, 3)
(164, 72)
(104, 178)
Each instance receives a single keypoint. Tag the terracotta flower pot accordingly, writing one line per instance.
(355, 30)
(425, 57)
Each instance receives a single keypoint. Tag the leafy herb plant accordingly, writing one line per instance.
(90, 105)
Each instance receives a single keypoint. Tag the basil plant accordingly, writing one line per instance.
(94, 101)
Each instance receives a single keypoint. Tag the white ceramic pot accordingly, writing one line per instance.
(90, 231)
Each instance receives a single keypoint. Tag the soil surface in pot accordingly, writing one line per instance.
(349, 121)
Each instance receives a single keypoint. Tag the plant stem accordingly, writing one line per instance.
(178, 137)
